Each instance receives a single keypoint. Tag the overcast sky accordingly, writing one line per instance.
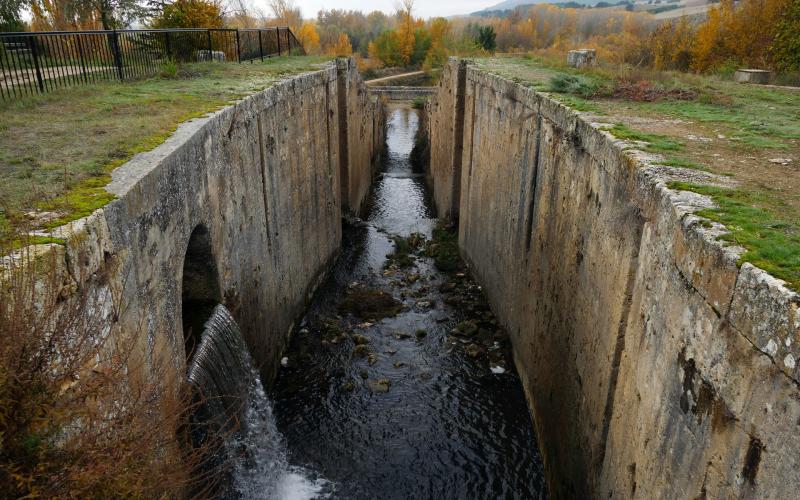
(422, 8)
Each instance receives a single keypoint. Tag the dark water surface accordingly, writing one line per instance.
(449, 426)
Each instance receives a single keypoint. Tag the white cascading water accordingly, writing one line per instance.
(224, 371)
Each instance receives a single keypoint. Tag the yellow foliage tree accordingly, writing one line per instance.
(309, 38)
(739, 33)
(437, 53)
(405, 31)
(190, 14)
(342, 47)
(671, 43)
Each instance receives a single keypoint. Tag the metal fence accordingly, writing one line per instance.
(37, 62)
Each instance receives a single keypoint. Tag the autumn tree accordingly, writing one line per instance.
(785, 49)
(309, 38)
(742, 33)
(243, 14)
(405, 31)
(386, 49)
(85, 14)
(286, 14)
(190, 14)
(437, 53)
(671, 45)
(342, 47)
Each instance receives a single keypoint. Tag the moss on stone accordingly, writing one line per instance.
(443, 248)
(773, 244)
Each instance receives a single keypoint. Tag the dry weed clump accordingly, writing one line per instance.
(80, 414)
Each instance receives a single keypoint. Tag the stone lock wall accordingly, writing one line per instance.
(264, 177)
(361, 135)
(654, 365)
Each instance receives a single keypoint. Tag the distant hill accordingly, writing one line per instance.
(512, 4)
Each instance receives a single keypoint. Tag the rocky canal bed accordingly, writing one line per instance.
(399, 381)
(423, 283)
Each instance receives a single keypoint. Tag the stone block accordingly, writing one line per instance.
(211, 55)
(758, 76)
(582, 58)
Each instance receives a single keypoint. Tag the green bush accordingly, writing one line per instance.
(169, 69)
(573, 84)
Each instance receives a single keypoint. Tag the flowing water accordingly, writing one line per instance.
(235, 405)
(428, 405)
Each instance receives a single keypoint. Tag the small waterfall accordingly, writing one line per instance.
(234, 401)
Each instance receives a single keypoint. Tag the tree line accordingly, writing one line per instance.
(759, 33)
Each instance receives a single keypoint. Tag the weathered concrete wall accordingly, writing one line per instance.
(362, 124)
(263, 176)
(446, 125)
(653, 364)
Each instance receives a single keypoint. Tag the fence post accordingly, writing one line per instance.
(35, 52)
(260, 47)
(210, 48)
(238, 47)
(278, 38)
(116, 52)
(288, 41)
(167, 47)
(80, 54)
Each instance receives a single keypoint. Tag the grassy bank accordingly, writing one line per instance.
(749, 133)
(57, 150)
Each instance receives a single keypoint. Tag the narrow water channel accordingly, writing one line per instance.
(423, 403)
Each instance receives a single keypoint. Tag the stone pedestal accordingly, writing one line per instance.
(582, 58)
(758, 76)
(211, 55)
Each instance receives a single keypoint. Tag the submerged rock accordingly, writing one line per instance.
(379, 386)
(421, 333)
(466, 328)
(474, 351)
(360, 339)
(369, 303)
(361, 351)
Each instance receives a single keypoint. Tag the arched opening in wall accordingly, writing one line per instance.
(200, 287)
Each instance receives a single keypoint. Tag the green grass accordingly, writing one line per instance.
(656, 143)
(579, 104)
(675, 161)
(772, 243)
(757, 117)
(58, 149)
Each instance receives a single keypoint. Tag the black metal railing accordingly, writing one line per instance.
(37, 62)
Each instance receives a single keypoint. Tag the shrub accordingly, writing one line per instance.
(573, 84)
(76, 419)
(169, 69)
